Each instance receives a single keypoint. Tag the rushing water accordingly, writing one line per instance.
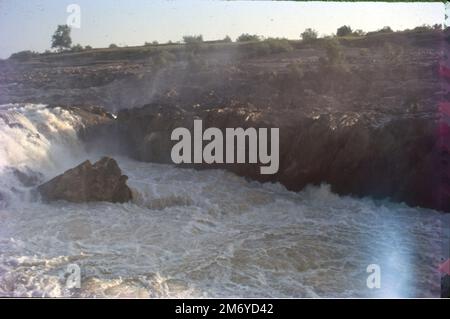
(191, 233)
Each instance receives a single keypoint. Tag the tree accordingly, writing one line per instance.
(343, 31)
(113, 46)
(309, 35)
(245, 37)
(61, 38)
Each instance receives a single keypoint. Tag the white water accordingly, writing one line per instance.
(198, 233)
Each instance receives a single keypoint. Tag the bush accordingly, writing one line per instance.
(423, 28)
(245, 37)
(88, 47)
(279, 45)
(270, 46)
(23, 55)
(113, 46)
(385, 29)
(333, 51)
(190, 39)
(76, 48)
(295, 71)
(358, 33)
(162, 58)
(227, 39)
(193, 42)
(309, 35)
(344, 31)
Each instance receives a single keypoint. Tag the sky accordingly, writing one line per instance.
(29, 24)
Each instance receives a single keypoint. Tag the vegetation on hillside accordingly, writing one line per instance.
(251, 45)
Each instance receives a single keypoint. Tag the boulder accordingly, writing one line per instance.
(87, 182)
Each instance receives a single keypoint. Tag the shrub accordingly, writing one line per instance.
(279, 45)
(227, 39)
(245, 37)
(385, 29)
(113, 46)
(309, 35)
(88, 47)
(189, 39)
(423, 28)
(162, 58)
(358, 33)
(333, 51)
(193, 42)
(23, 55)
(76, 48)
(344, 31)
(295, 71)
(270, 46)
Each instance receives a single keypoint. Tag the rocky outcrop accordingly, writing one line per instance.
(361, 154)
(102, 181)
(27, 177)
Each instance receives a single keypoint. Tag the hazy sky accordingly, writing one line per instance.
(29, 24)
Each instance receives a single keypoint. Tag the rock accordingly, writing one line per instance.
(28, 178)
(445, 286)
(102, 181)
(378, 155)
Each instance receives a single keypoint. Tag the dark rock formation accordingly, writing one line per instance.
(102, 181)
(445, 286)
(27, 177)
(361, 154)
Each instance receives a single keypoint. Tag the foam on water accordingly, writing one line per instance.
(194, 233)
